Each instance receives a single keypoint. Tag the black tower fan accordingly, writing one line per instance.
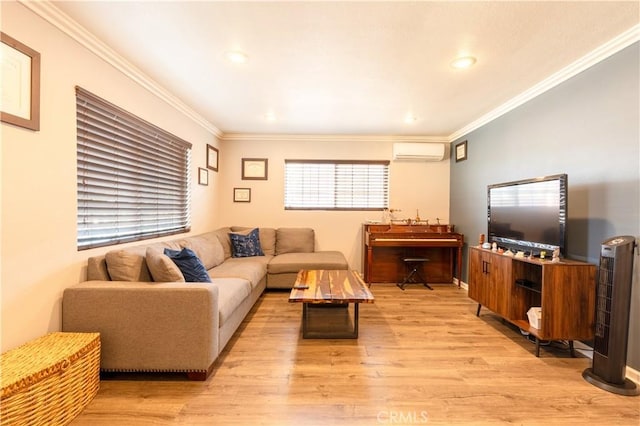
(613, 299)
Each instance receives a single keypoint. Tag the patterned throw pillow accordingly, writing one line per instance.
(246, 245)
(189, 264)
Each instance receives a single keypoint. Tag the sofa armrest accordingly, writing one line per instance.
(147, 326)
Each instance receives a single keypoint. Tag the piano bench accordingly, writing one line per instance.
(413, 275)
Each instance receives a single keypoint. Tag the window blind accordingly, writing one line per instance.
(133, 178)
(336, 185)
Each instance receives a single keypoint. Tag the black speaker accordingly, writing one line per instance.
(613, 304)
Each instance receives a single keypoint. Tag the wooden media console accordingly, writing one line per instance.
(510, 286)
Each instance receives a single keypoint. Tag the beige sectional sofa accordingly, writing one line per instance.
(168, 325)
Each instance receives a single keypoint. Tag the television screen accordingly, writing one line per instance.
(529, 215)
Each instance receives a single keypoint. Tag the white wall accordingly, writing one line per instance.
(38, 251)
(413, 185)
(38, 254)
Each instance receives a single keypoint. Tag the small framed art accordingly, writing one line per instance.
(212, 158)
(20, 84)
(241, 195)
(461, 151)
(203, 176)
(254, 168)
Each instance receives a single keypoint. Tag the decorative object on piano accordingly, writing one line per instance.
(555, 257)
(417, 216)
(486, 245)
(392, 213)
(543, 254)
(385, 216)
(494, 247)
(481, 240)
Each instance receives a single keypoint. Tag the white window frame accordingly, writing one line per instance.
(336, 185)
(133, 180)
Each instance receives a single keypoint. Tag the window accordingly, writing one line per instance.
(336, 185)
(133, 178)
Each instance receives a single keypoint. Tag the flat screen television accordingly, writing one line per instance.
(529, 215)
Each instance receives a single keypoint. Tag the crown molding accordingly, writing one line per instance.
(257, 137)
(57, 18)
(46, 10)
(615, 45)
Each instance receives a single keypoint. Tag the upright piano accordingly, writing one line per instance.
(386, 245)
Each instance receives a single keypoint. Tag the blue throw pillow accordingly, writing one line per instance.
(246, 245)
(189, 264)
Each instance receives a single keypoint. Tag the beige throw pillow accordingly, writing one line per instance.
(124, 265)
(295, 240)
(207, 247)
(223, 237)
(162, 268)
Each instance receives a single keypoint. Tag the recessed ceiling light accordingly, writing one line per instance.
(237, 57)
(463, 62)
(270, 116)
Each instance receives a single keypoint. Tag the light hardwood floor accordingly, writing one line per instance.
(422, 357)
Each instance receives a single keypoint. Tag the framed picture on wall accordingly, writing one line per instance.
(241, 195)
(20, 84)
(212, 158)
(461, 151)
(203, 176)
(254, 168)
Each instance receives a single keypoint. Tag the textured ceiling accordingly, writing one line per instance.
(350, 67)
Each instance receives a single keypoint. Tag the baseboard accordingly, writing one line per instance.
(633, 375)
(460, 283)
(630, 373)
(581, 348)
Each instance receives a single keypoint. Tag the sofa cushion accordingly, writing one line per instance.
(252, 269)
(293, 262)
(231, 293)
(127, 265)
(162, 268)
(267, 238)
(207, 247)
(246, 244)
(285, 280)
(189, 264)
(294, 240)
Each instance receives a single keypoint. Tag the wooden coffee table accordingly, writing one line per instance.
(330, 289)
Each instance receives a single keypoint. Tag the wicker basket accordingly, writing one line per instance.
(49, 380)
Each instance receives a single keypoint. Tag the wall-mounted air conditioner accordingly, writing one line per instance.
(418, 151)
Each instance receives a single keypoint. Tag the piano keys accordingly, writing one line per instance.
(386, 245)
